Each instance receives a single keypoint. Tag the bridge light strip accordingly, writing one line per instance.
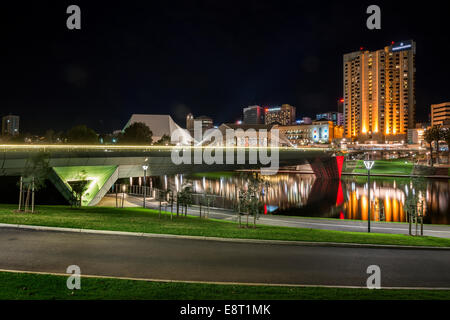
(141, 147)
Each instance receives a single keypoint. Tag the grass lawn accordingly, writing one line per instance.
(27, 286)
(386, 167)
(146, 220)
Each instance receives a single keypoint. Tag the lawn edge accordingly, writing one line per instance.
(221, 239)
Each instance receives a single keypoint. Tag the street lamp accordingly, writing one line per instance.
(368, 164)
(145, 167)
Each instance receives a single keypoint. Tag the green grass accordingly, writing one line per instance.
(145, 220)
(213, 175)
(386, 167)
(27, 286)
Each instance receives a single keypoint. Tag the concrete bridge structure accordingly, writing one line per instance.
(104, 164)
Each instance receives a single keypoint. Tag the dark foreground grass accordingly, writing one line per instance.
(27, 286)
(148, 221)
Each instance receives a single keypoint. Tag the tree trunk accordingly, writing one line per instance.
(20, 193)
(27, 201)
(32, 196)
(437, 151)
(431, 154)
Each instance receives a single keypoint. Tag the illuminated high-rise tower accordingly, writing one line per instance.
(379, 94)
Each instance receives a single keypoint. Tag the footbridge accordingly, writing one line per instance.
(102, 165)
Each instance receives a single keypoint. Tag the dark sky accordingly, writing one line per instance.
(208, 57)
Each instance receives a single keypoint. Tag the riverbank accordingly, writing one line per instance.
(31, 286)
(395, 168)
(148, 221)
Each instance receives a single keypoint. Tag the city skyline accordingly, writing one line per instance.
(169, 63)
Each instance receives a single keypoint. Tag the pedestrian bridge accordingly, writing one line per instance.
(104, 164)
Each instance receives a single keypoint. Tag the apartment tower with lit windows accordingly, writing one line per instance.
(379, 93)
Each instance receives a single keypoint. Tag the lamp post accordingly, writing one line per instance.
(145, 167)
(368, 164)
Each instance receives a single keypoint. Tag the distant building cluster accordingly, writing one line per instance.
(440, 114)
(10, 125)
(378, 105)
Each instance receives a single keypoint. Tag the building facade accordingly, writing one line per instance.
(440, 114)
(336, 117)
(253, 115)
(161, 125)
(317, 132)
(10, 125)
(379, 92)
(284, 115)
(247, 135)
(207, 123)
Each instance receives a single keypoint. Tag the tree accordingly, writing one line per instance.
(429, 138)
(446, 137)
(137, 133)
(49, 136)
(164, 141)
(82, 134)
(250, 198)
(184, 198)
(437, 134)
(33, 179)
(79, 186)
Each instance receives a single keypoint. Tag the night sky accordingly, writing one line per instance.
(206, 57)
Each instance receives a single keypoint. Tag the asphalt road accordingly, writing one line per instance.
(201, 260)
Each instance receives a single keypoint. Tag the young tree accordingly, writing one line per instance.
(184, 198)
(82, 134)
(33, 179)
(79, 186)
(137, 133)
(250, 197)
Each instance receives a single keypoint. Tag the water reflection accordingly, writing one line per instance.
(304, 195)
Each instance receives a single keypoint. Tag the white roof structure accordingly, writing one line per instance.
(161, 124)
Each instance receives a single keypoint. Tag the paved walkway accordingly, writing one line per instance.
(442, 231)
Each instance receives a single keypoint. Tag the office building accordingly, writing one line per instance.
(440, 114)
(336, 117)
(284, 115)
(340, 105)
(206, 122)
(10, 125)
(379, 95)
(253, 115)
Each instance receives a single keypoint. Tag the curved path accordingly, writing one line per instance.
(215, 261)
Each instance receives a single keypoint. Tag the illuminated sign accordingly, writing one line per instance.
(402, 46)
(274, 109)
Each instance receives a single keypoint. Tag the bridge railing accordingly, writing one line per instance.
(137, 190)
